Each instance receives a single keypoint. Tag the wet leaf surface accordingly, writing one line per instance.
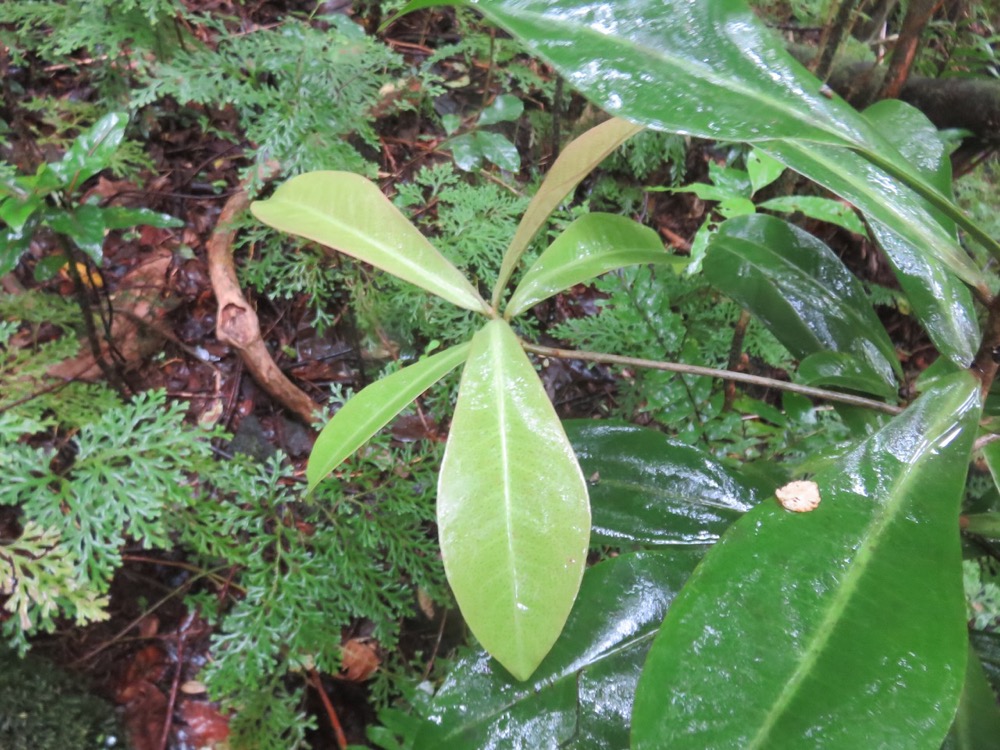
(512, 507)
(756, 654)
(649, 490)
(581, 695)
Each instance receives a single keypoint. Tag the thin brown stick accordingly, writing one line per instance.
(709, 372)
(338, 731)
(987, 361)
(735, 356)
(174, 687)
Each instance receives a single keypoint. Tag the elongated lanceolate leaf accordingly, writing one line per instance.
(371, 409)
(941, 302)
(708, 68)
(580, 697)
(801, 291)
(91, 151)
(843, 626)
(349, 213)
(647, 489)
(882, 199)
(513, 513)
(575, 162)
(593, 244)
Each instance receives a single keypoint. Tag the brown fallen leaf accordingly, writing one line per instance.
(359, 660)
(205, 726)
(137, 302)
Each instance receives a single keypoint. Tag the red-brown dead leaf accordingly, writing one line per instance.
(148, 665)
(206, 727)
(359, 660)
(145, 712)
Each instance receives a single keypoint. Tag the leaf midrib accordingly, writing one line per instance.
(701, 73)
(929, 239)
(850, 582)
(455, 285)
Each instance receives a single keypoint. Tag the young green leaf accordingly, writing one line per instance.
(647, 489)
(575, 162)
(762, 169)
(607, 636)
(513, 513)
(373, 407)
(817, 207)
(801, 291)
(593, 244)
(347, 212)
(505, 108)
(846, 623)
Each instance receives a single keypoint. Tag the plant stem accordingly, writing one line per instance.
(652, 364)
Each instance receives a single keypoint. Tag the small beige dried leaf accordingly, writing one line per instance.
(800, 496)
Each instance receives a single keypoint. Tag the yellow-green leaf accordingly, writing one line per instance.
(513, 512)
(349, 213)
(370, 410)
(593, 244)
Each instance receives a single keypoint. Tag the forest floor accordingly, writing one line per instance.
(147, 656)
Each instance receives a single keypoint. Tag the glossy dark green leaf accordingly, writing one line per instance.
(713, 69)
(496, 148)
(977, 723)
(710, 68)
(647, 489)
(816, 207)
(13, 244)
(987, 646)
(512, 507)
(466, 152)
(581, 695)
(591, 245)
(91, 151)
(16, 210)
(372, 408)
(880, 198)
(120, 217)
(84, 225)
(842, 370)
(800, 290)
(349, 213)
(575, 162)
(505, 108)
(844, 625)
(941, 302)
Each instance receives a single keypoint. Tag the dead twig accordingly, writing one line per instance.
(331, 713)
(236, 322)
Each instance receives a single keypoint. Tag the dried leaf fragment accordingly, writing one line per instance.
(800, 496)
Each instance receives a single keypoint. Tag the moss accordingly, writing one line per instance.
(44, 708)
